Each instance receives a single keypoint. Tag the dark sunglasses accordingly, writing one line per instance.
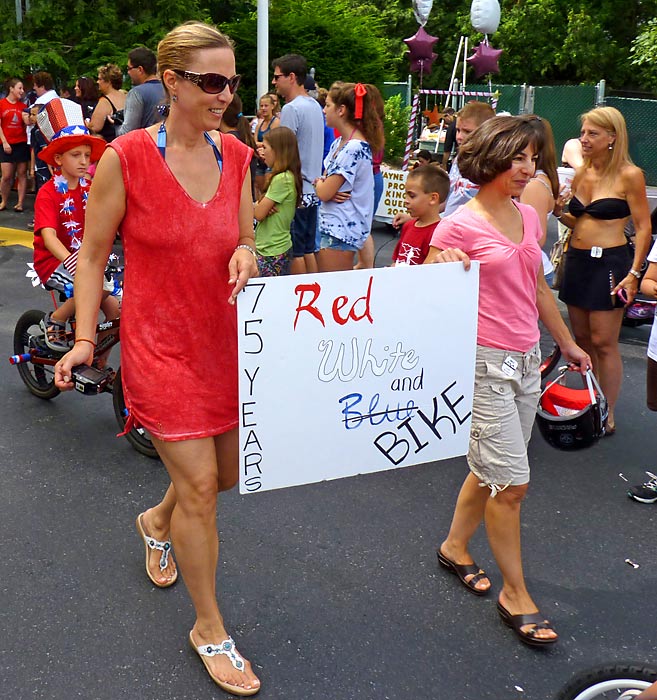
(277, 76)
(212, 83)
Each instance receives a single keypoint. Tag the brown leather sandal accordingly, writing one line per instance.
(517, 622)
(463, 570)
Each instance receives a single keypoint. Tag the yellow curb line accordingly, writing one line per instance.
(14, 236)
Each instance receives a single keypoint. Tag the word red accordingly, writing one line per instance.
(340, 304)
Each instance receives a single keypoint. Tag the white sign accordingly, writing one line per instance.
(392, 199)
(347, 373)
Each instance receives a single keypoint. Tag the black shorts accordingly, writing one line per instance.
(20, 153)
(587, 281)
(304, 230)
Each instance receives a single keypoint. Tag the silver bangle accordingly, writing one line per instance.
(635, 273)
(246, 247)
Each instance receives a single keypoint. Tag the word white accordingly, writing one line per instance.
(362, 361)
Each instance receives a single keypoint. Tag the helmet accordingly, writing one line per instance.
(640, 310)
(570, 419)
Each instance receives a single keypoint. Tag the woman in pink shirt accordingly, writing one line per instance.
(503, 236)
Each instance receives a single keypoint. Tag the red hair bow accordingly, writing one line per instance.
(360, 91)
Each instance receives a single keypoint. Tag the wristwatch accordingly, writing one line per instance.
(635, 273)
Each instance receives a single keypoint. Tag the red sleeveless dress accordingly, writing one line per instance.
(178, 332)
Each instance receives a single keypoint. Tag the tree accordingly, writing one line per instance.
(341, 41)
(644, 48)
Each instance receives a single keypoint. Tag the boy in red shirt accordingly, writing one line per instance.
(426, 187)
(59, 210)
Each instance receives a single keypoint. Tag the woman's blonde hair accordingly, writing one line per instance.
(613, 122)
(176, 50)
(111, 74)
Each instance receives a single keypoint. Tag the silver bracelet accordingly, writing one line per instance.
(246, 247)
(635, 273)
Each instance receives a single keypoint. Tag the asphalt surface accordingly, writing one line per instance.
(332, 590)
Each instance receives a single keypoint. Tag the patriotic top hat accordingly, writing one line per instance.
(62, 124)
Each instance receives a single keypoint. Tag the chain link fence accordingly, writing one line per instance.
(641, 118)
(562, 106)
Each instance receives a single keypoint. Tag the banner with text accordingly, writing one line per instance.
(392, 199)
(354, 372)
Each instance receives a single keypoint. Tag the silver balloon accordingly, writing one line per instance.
(422, 10)
(485, 15)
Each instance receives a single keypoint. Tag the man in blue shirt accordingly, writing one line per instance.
(142, 101)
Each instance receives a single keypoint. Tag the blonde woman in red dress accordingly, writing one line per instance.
(182, 202)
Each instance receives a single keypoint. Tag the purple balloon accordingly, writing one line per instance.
(484, 59)
(421, 65)
(420, 46)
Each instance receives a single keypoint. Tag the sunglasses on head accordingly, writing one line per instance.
(212, 83)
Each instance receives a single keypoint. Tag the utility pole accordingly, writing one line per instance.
(262, 63)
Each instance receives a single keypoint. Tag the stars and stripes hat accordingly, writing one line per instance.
(62, 124)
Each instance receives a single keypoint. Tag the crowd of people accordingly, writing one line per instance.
(179, 155)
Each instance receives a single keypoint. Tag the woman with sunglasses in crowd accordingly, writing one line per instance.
(503, 236)
(182, 202)
(601, 274)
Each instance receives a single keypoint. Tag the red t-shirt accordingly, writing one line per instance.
(413, 244)
(11, 121)
(62, 209)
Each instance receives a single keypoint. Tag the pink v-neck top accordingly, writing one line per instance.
(508, 316)
(178, 332)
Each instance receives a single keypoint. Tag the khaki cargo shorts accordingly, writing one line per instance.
(506, 392)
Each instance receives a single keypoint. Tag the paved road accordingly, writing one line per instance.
(331, 589)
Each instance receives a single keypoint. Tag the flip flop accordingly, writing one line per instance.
(164, 547)
(517, 622)
(226, 648)
(463, 570)
(19, 209)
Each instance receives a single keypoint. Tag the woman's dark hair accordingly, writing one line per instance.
(88, 89)
(489, 151)
(43, 79)
(234, 119)
(370, 123)
(547, 157)
(286, 157)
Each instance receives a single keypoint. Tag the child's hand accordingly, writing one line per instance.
(341, 197)
(400, 219)
(82, 353)
(273, 210)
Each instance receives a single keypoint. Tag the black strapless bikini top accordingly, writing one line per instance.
(607, 208)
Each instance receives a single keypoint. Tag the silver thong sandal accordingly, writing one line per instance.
(151, 543)
(226, 648)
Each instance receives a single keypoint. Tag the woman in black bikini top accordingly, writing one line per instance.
(607, 208)
(601, 271)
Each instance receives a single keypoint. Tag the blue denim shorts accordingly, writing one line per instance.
(328, 241)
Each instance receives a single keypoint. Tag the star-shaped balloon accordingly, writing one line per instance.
(484, 59)
(420, 51)
(433, 116)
